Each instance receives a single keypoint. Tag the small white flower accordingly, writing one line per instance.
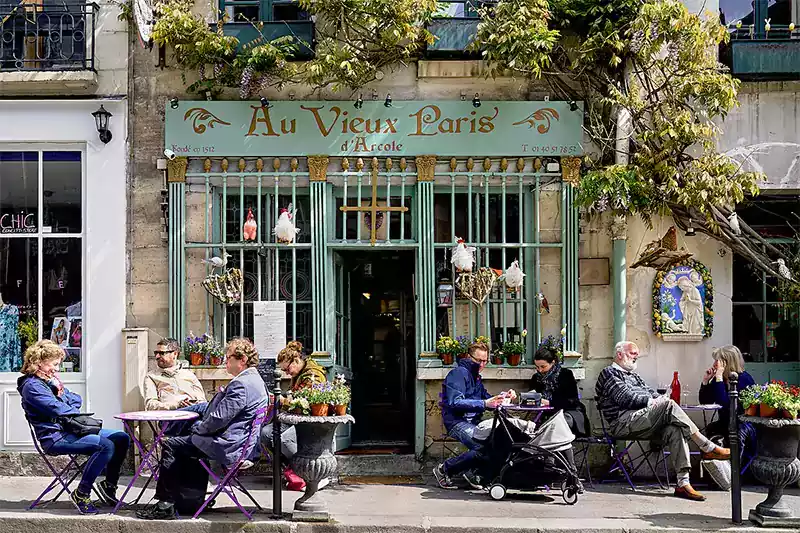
(524, 333)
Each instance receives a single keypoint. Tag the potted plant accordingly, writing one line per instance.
(194, 349)
(772, 399)
(483, 339)
(461, 346)
(750, 398)
(498, 357)
(215, 352)
(554, 344)
(28, 331)
(320, 396)
(340, 398)
(445, 347)
(298, 405)
(513, 351)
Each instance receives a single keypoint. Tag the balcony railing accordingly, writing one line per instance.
(754, 53)
(35, 37)
(455, 27)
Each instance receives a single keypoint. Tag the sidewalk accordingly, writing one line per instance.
(407, 509)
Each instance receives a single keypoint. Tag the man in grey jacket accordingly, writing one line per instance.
(220, 436)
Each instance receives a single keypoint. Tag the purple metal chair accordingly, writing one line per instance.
(231, 480)
(619, 457)
(60, 477)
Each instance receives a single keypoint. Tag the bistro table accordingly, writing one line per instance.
(529, 410)
(165, 418)
(712, 408)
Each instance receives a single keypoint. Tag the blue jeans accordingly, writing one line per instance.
(107, 450)
(184, 427)
(464, 433)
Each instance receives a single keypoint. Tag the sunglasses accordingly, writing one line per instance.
(161, 352)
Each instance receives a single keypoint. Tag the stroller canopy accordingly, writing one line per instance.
(554, 435)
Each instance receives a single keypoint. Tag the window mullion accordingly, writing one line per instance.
(40, 245)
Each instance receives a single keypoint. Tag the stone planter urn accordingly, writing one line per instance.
(776, 465)
(314, 460)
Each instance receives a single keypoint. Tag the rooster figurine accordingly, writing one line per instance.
(250, 228)
(544, 305)
(463, 256)
(285, 230)
(514, 276)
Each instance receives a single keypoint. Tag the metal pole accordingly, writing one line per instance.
(277, 474)
(733, 428)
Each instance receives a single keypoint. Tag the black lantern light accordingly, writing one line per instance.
(101, 117)
(444, 293)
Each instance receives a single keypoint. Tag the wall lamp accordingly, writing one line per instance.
(173, 103)
(388, 101)
(101, 117)
(476, 100)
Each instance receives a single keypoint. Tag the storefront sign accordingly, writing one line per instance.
(21, 222)
(269, 326)
(453, 128)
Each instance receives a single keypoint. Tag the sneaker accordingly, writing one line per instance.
(107, 492)
(158, 511)
(442, 478)
(717, 454)
(324, 482)
(293, 481)
(83, 503)
(474, 480)
(688, 493)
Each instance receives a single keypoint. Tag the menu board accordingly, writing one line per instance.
(269, 328)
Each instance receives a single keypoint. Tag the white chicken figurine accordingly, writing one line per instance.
(250, 229)
(463, 256)
(285, 230)
(513, 276)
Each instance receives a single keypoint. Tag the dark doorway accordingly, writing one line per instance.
(383, 353)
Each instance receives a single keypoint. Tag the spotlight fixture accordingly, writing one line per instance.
(476, 100)
(359, 102)
(173, 103)
(690, 230)
(573, 106)
(101, 117)
(463, 95)
(208, 96)
(265, 103)
(388, 101)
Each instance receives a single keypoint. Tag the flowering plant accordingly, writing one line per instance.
(320, 393)
(751, 395)
(445, 345)
(483, 339)
(297, 404)
(555, 344)
(513, 348)
(462, 344)
(341, 392)
(204, 344)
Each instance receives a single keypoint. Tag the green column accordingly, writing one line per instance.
(618, 277)
(317, 169)
(177, 263)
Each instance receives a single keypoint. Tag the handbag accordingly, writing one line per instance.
(80, 424)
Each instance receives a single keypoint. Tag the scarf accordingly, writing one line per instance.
(549, 381)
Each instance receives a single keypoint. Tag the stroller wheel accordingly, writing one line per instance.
(570, 495)
(497, 492)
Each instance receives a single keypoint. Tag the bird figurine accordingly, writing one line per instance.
(733, 221)
(783, 270)
(285, 230)
(767, 25)
(463, 256)
(514, 276)
(218, 262)
(544, 306)
(250, 228)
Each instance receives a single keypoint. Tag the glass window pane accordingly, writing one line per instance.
(19, 296)
(62, 192)
(61, 301)
(748, 331)
(19, 192)
(239, 13)
(747, 281)
(782, 334)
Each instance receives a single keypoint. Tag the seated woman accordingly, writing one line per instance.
(714, 389)
(45, 400)
(559, 390)
(304, 373)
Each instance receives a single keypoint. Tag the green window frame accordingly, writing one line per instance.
(265, 13)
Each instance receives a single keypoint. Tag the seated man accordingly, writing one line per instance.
(464, 399)
(220, 436)
(633, 410)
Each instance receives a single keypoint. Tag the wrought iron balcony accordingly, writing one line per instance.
(754, 53)
(38, 37)
(455, 27)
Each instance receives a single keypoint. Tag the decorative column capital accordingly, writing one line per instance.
(618, 228)
(176, 170)
(571, 170)
(318, 167)
(426, 167)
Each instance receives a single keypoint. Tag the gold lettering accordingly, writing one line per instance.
(431, 117)
(486, 125)
(458, 124)
(290, 129)
(446, 126)
(373, 127)
(265, 119)
(360, 145)
(390, 125)
(354, 126)
(325, 131)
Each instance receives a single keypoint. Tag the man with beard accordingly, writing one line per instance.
(635, 411)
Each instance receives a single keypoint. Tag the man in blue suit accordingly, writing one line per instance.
(220, 436)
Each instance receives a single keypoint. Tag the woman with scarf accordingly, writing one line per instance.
(559, 390)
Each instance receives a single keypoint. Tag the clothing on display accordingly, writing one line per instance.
(75, 310)
(57, 279)
(10, 345)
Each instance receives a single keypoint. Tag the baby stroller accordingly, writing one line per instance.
(517, 460)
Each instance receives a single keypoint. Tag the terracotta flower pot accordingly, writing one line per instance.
(514, 359)
(768, 412)
(319, 409)
(447, 358)
(340, 410)
(787, 414)
(216, 360)
(462, 355)
(497, 360)
(752, 410)
(197, 359)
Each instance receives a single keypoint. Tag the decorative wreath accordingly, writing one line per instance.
(226, 288)
(708, 310)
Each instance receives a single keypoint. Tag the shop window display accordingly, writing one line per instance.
(41, 254)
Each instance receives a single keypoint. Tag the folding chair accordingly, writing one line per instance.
(618, 457)
(231, 480)
(60, 477)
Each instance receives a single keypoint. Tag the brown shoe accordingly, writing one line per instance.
(688, 493)
(717, 454)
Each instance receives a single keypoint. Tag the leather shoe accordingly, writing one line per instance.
(717, 454)
(688, 493)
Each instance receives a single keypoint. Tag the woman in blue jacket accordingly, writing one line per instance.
(44, 400)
